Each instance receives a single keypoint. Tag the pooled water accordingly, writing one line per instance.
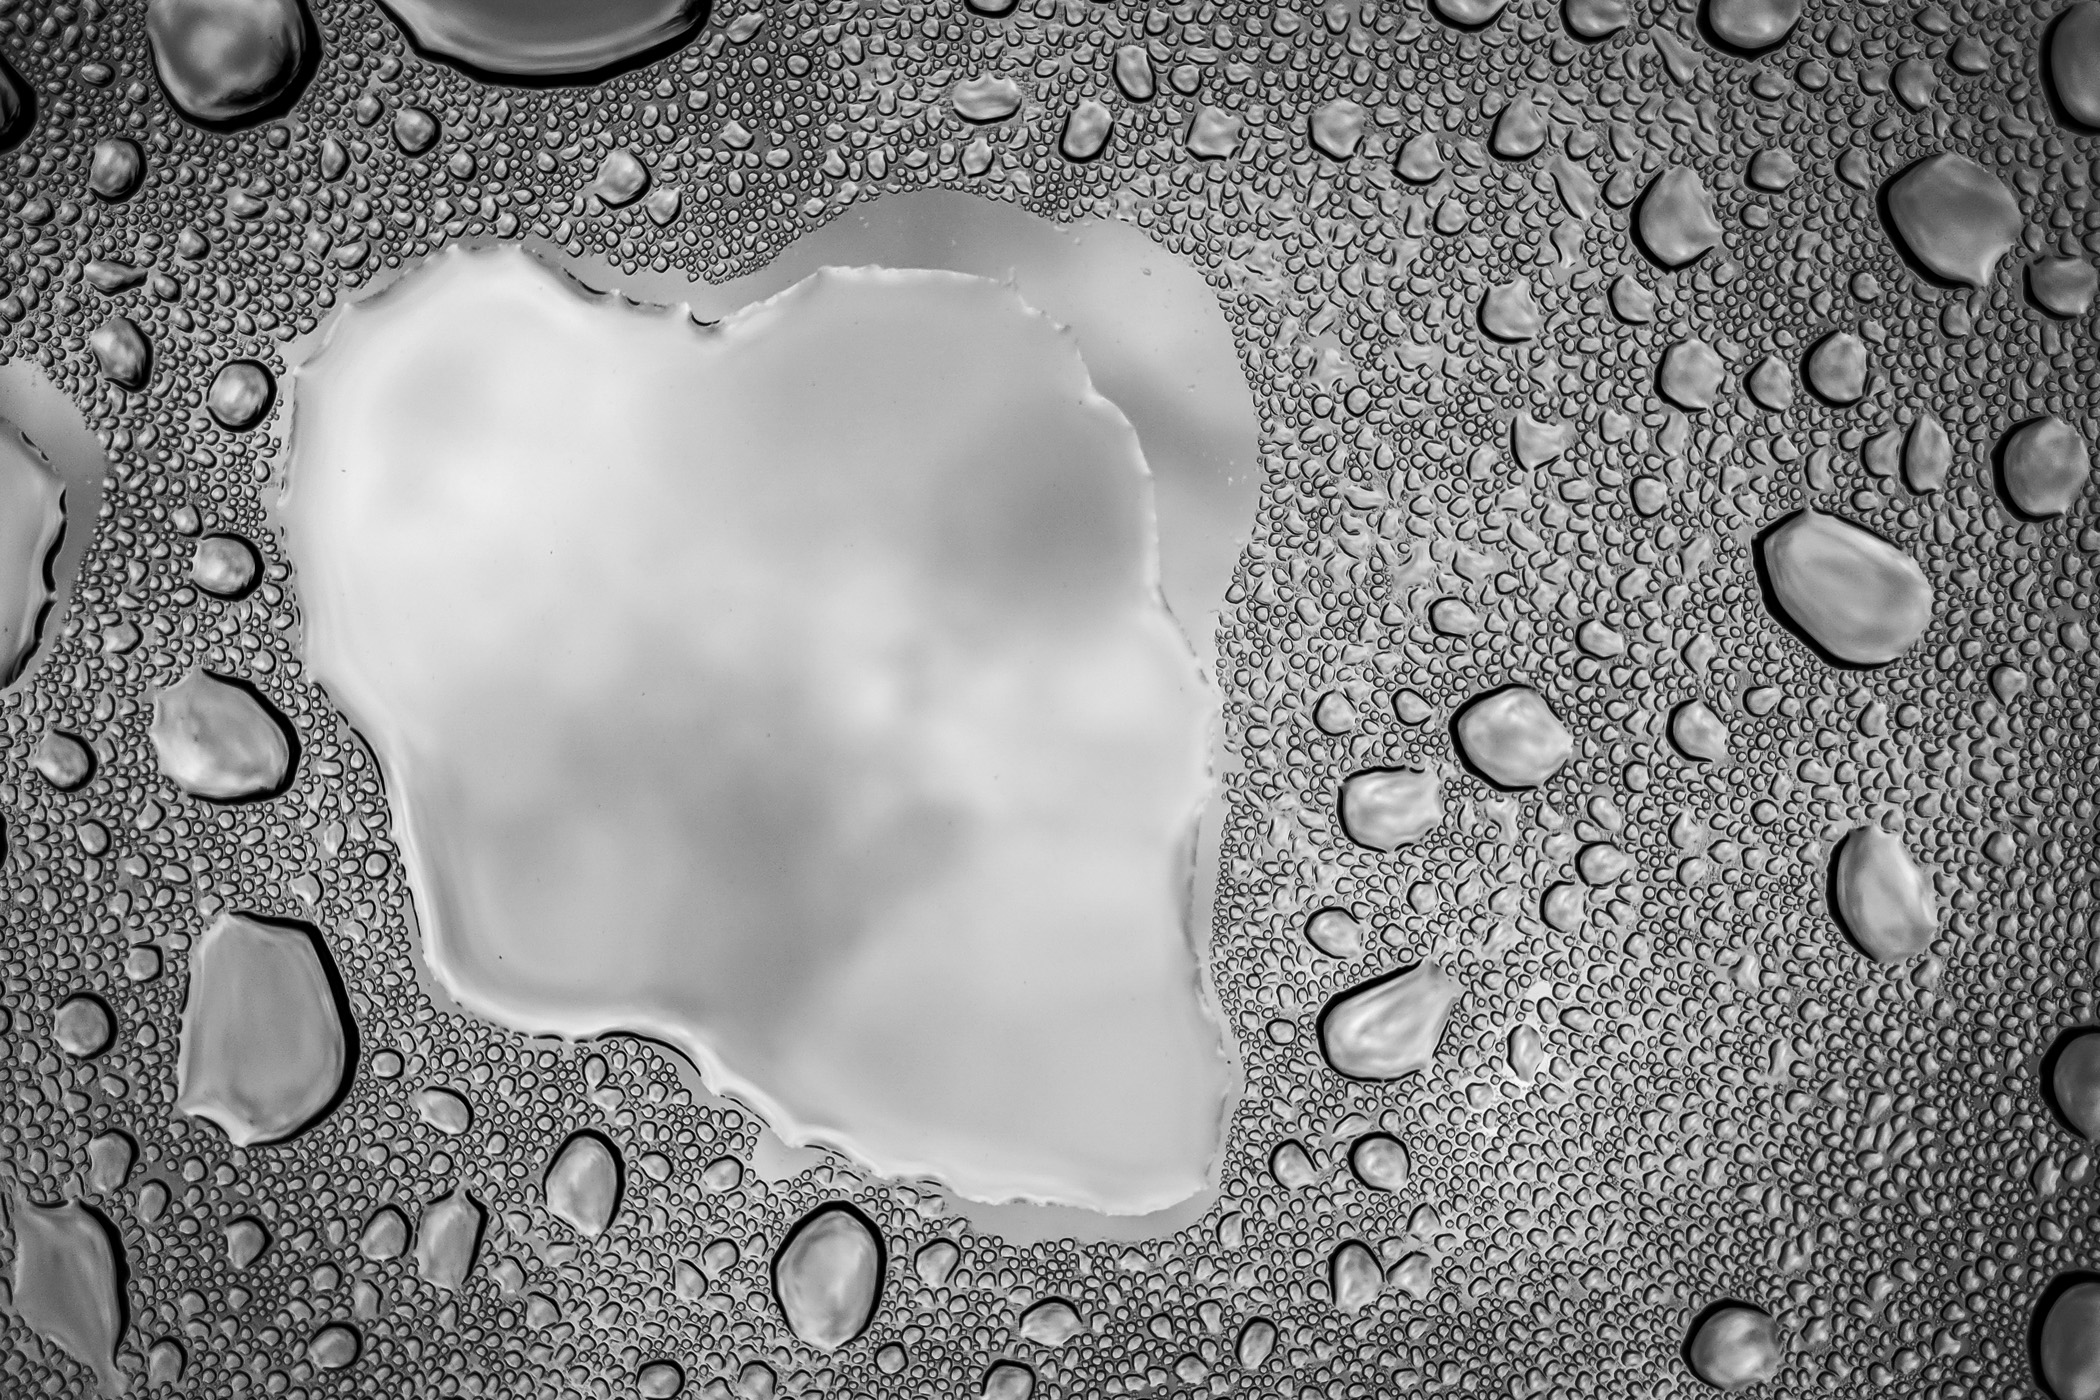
(894, 759)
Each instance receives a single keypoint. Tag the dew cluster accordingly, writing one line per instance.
(1655, 916)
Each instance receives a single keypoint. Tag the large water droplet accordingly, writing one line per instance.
(17, 106)
(1676, 221)
(2068, 1344)
(1734, 1346)
(1751, 26)
(1884, 901)
(1354, 1276)
(583, 1183)
(1854, 595)
(2043, 466)
(827, 1275)
(548, 41)
(32, 522)
(1390, 1026)
(2074, 62)
(1954, 217)
(68, 1270)
(228, 63)
(264, 1037)
(1512, 737)
(1387, 808)
(219, 739)
(448, 1239)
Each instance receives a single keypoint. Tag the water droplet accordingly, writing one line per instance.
(17, 106)
(1512, 738)
(1134, 73)
(415, 130)
(218, 739)
(264, 1037)
(659, 1380)
(1591, 20)
(334, 1347)
(2063, 287)
(827, 1275)
(1953, 217)
(1520, 128)
(110, 1157)
(68, 1272)
(1468, 14)
(1852, 594)
(2068, 1342)
(1379, 1161)
(83, 1026)
(241, 394)
(1751, 26)
(1388, 1027)
(229, 62)
(1734, 1346)
(1087, 129)
(1884, 902)
(2075, 1082)
(1386, 808)
(583, 1183)
(1676, 222)
(443, 1110)
(1008, 1380)
(246, 1239)
(122, 352)
(1691, 375)
(1051, 1323)
(1337, 128)
(1837, 368)
(116, 169)
(1334, 714)
(225, 566)
(2074, 68)
(1772, 169)
(1214, 134)
(1697, 732)
(1508, 313)
(1354, 1276)
(32, 523)
(448, 1239)
(2043, 466)
(548, 43)
(1256, 1341)
(1601, 863)
(1927, 454)
(385, 1235)
(986, 99)
(62, 760)
(1421, 160)
(1335, 932)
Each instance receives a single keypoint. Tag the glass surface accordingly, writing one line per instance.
(1022, 699)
